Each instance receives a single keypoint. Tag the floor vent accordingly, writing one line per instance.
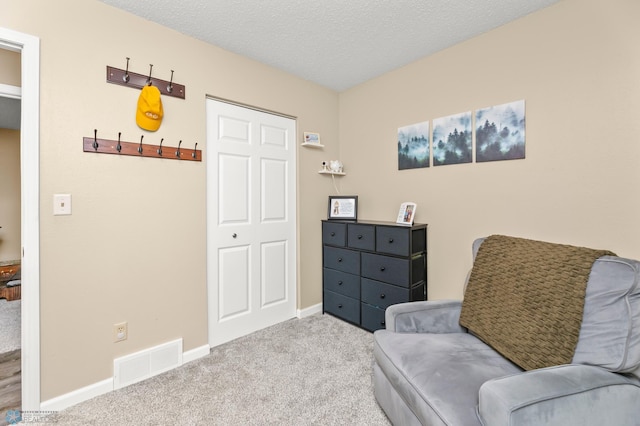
(139, 366)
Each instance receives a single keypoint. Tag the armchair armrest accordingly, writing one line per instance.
(438, 316)
(563, 395)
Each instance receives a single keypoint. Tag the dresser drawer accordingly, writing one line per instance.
(341, 282)
(342, 259)
(393, 240)
(382, 295)
(385, 268)
(334, 234)
(361, 236)
(372, 317)
(342, 306)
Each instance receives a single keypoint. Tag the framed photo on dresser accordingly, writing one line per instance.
(406, 213)
(343, 207)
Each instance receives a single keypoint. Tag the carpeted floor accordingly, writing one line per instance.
(310, 371)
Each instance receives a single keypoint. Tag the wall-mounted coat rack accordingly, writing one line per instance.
(106, 146)
(138, 81)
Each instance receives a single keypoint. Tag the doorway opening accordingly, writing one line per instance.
(28, 47)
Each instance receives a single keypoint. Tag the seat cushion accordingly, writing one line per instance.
(439, 375)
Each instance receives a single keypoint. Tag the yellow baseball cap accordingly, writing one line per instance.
(149, 112)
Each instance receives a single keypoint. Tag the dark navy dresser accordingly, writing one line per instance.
(368, 266)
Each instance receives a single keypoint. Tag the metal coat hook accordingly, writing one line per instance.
(149, 78)
(170, 86)
(126, 77)
(138, 149)
(134, 80)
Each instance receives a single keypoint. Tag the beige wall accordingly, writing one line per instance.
(10, 67)
(134, 248)
(577, 66)
(10, 194)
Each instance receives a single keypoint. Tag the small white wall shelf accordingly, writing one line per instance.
(327, 172)
(312, 145)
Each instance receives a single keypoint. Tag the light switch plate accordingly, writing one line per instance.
(61, 204)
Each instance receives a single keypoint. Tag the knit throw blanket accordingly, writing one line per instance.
(525, 298)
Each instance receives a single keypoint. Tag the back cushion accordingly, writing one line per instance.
(610, 331)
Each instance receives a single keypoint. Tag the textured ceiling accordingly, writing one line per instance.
(335, 43)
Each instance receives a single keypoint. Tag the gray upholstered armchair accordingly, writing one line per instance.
(431, 370)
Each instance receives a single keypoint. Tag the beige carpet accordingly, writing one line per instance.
(310, 371)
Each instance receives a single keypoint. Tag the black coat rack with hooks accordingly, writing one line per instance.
(139, 149)
(124, 77)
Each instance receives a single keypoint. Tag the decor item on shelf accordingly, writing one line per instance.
(149, 111)
(368, 266)
(312, 139)
(336, 166)
(343, 207)
(333, 168)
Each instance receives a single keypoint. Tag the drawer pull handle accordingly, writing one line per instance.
(390, 240)
(340, 306)
(359, 237)
(382, 296)
(382, 268)
(339, 259)
(333, 234)
(339, 282)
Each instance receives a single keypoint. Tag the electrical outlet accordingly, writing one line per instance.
(120, 332)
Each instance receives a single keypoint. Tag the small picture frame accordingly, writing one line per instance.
(407, 213)
(343, 207)
(311, 138)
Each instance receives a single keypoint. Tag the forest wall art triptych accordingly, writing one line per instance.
(499, 135)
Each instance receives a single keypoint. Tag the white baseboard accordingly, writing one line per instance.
(77, 396)
(196, 353)
(105, 386)
(309, 311)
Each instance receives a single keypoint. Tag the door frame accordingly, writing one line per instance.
(210, 165)
(29, 48)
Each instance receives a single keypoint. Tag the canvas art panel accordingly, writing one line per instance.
(500, 132)
(452, 139)
(413, 146)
